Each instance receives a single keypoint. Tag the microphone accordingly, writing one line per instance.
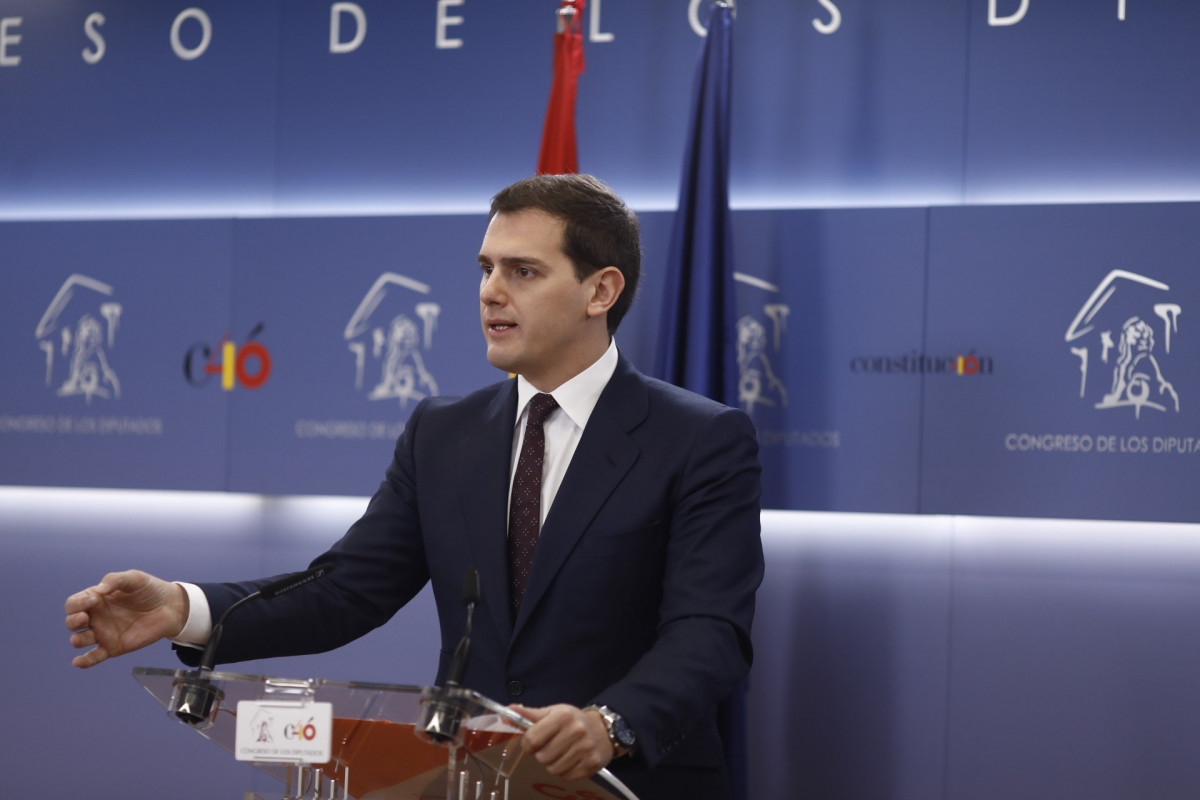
(196, 700)
(470, 596)
(443, 715)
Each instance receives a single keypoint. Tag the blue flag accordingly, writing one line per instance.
(697, 348)
(696, 338)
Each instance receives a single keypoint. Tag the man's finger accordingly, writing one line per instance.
(531, 714)
(90, 659)
(537, 736)
(127, 581)
(575, 763)
(82, 601)
(83, 639)
(77, 621)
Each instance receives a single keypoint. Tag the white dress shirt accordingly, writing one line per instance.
(576, 400)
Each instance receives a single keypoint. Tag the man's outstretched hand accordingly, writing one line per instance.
(124, 612)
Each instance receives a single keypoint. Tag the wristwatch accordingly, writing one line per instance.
(620, 732)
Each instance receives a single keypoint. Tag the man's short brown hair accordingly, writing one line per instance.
(600, 230)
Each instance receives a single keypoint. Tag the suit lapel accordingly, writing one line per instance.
(604, 456)
(483, 465)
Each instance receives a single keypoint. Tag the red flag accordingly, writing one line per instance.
(558, 152)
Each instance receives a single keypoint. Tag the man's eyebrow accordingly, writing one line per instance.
(514, 261)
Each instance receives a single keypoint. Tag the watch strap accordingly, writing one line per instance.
(612, 722)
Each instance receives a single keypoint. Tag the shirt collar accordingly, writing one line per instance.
(578, 396)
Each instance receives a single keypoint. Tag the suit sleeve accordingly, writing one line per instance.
(713, 568)
(378, 566)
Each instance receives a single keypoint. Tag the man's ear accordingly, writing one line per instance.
(607, 285)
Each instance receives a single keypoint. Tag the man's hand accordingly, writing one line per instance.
(124, 612)
(570, 743)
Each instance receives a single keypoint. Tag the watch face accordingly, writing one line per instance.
(624, 733)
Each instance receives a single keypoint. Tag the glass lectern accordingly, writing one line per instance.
(389, 742)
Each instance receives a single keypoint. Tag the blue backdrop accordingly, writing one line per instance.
(243, 106)
(1019, 361)
(237, 241)
(951, 344)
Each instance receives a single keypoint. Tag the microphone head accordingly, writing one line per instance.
(470, 592)
(195, 700)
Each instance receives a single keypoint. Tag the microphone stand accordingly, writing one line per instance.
(196, 699)
(443, 715)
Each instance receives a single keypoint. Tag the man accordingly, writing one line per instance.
(629, 616)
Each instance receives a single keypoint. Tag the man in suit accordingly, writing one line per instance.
(625, 619)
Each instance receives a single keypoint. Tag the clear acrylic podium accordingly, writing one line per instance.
(380, 745)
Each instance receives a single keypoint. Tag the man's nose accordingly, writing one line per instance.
(490, 290)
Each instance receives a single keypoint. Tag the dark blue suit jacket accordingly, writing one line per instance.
(641, 592)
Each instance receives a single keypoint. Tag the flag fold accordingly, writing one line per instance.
(558, 153)
(696, 348)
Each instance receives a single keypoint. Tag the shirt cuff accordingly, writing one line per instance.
(198, 627)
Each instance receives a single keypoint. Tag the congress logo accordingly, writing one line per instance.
(388, 335)
(759, 339)
(77, 333)
(1122, 338)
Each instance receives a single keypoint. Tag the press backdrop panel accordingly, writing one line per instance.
(141, 126)
(1081, 369)
(1072, 102)
(362, 318)
(873, 109)
(824, 297)
(96, 321)
(425, 104)
(1020, 361)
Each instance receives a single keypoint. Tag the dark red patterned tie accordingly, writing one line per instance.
(525, 507)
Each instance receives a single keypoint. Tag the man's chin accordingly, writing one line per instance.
(500, 362)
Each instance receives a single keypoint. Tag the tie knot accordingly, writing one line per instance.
(540, 407)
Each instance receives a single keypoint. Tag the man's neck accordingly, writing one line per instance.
(549, 383)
